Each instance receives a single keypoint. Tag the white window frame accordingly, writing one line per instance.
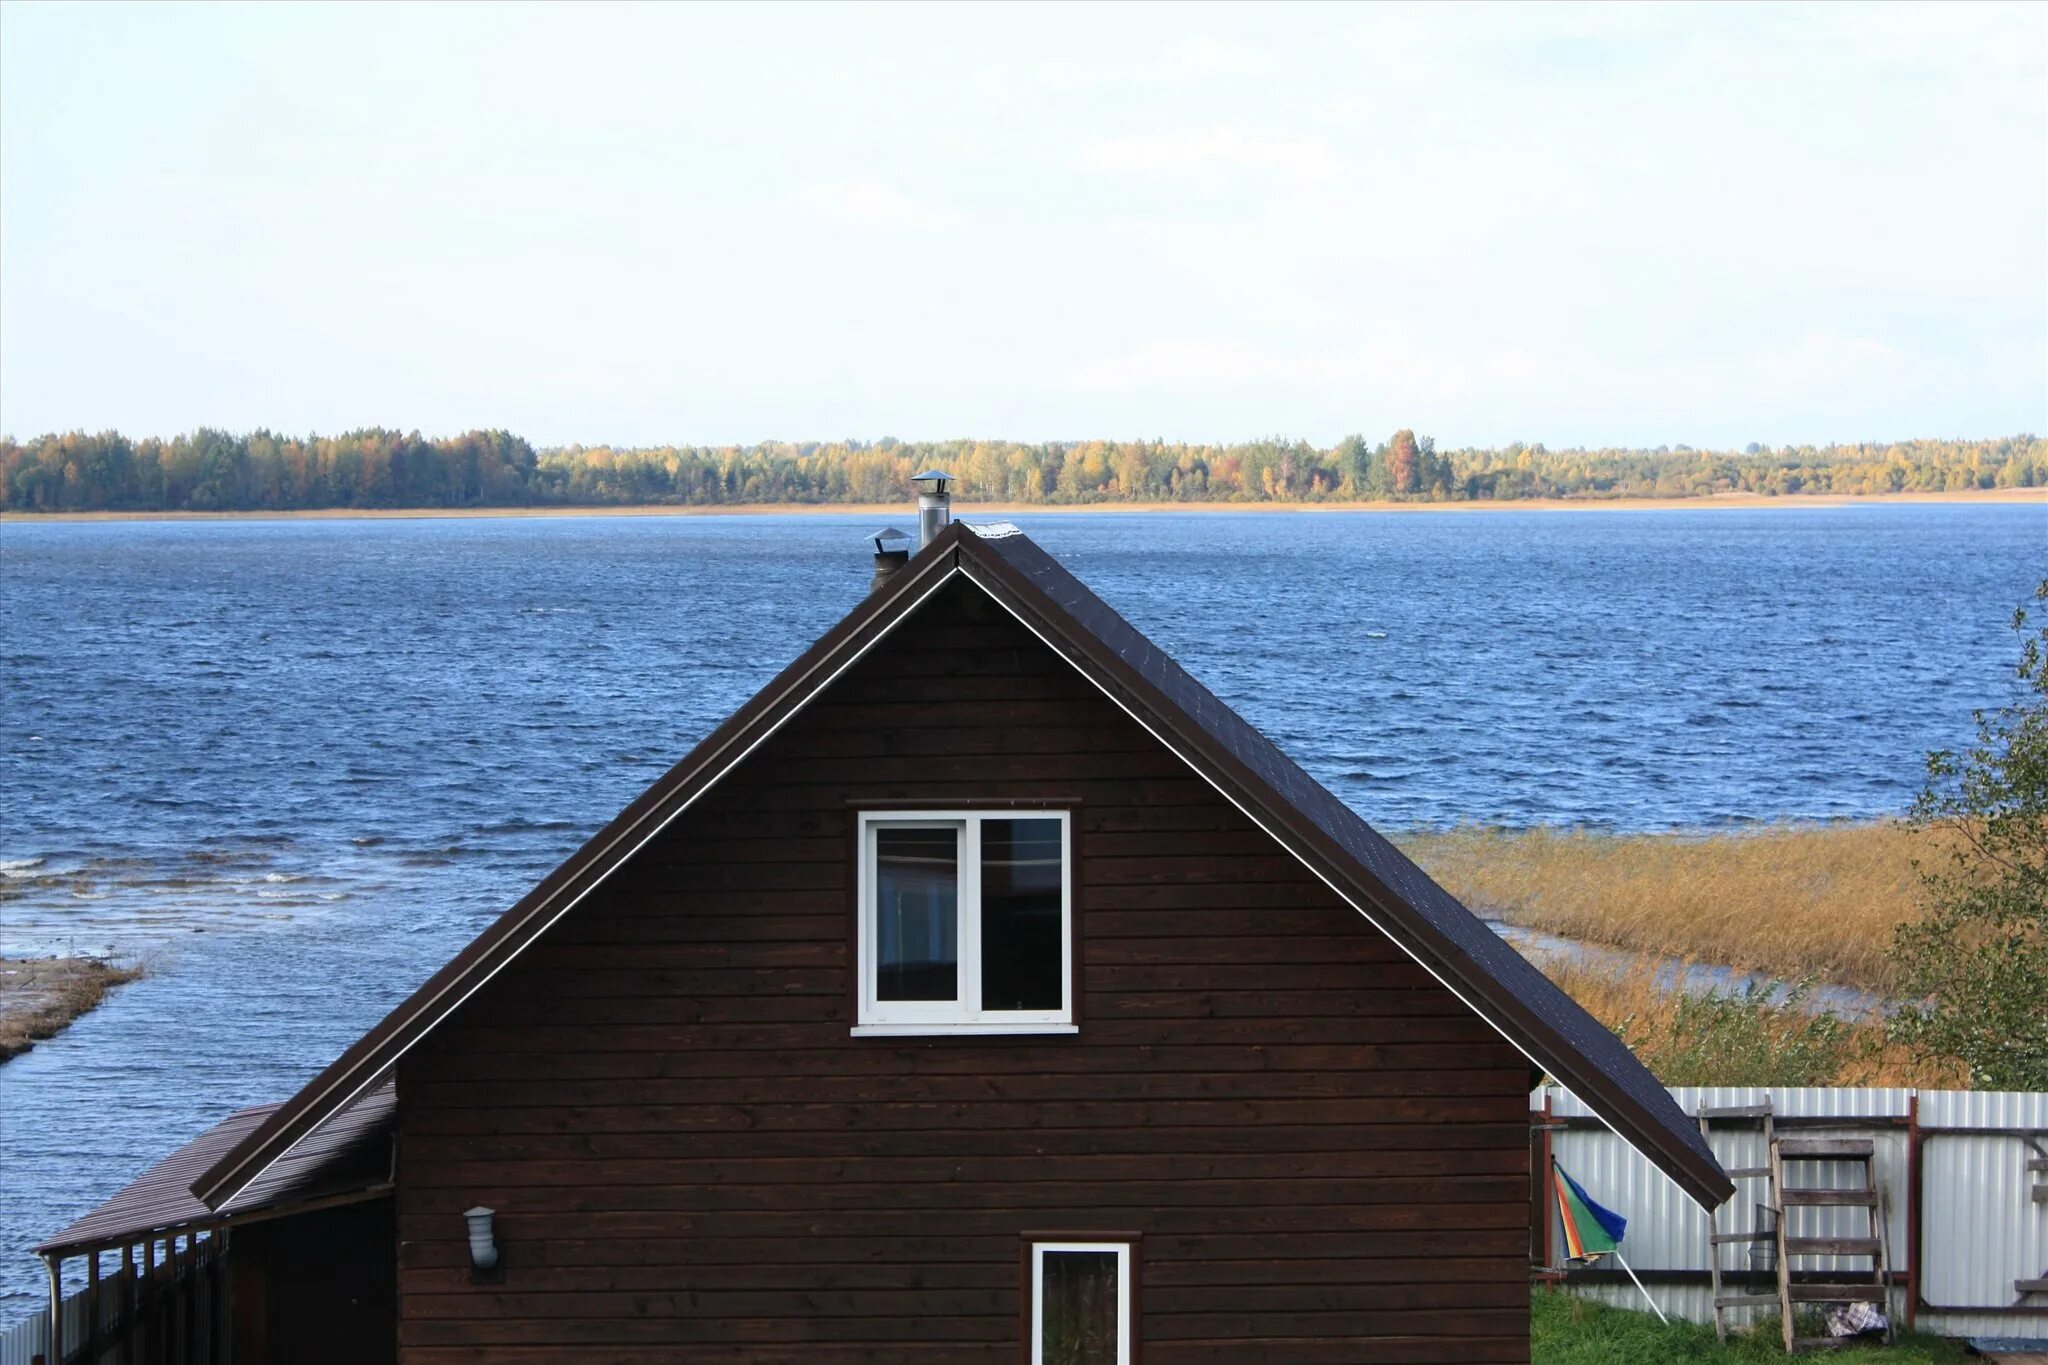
(1123, 1294)
(965, 1014)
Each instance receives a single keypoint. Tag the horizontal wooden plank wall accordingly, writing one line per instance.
(1326, 1154)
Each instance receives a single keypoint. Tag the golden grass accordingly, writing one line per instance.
(1796, 901)
(1737, 1042)
(39, 996)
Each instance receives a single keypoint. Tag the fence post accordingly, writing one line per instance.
(1543, 1178)
(1912, 1209)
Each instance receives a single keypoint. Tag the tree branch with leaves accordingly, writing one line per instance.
(1978, 958)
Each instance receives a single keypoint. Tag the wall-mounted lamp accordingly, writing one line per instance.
(483, 1247)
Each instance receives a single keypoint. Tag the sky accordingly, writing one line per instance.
(1609, 225)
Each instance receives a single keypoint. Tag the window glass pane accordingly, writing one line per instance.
(1022, 939)
(917, 895)
(1078, 1313)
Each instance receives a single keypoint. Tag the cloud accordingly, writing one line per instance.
(1764, 381)
(1189, 61)
(1206, 362)
(1828, 358)
(1970, 42)
(867, 204)
(1306, 159)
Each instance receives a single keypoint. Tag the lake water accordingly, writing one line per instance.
(299, 764)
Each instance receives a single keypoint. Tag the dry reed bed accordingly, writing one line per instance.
(1796, 901)
(40, 995)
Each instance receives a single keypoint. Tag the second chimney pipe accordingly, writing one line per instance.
(892, 552)
(934, 504)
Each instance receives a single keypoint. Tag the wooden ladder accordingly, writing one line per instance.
(1858, 1151)
(1716, 1238)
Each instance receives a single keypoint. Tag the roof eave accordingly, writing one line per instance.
(340, 1197)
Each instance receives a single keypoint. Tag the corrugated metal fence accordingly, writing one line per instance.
(174, 1310)
(29, 1339)
(1976, 1227)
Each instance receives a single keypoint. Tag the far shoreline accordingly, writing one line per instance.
(1715, 502)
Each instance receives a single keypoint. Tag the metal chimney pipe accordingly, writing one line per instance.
(934, 504)
(892, 552)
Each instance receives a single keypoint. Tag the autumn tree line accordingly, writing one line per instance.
(208, 471)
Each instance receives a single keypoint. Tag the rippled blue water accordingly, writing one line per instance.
(300, 763)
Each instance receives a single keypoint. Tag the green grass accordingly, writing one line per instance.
(1565, 1330)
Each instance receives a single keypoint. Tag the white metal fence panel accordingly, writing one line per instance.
(1980, 1227)
(29, 1338)
(26, 1340)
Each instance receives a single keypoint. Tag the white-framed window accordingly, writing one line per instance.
(966, 922)
(1081, 1303)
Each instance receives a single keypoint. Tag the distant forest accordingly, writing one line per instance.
(209, 471)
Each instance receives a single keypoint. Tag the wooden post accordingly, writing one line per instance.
(202, 1290)
(191, 1297)
(181, 1301)
(128, 1301)
(167, 1352)
(145, 1312)
(170, 1274)
(175, 1261)
(93, 1331)
(226, 1284)
(216, 1294)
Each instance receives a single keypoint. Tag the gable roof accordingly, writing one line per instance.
(1329, 838)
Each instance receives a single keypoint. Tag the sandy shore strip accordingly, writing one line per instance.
(968, 508)
(40, 995)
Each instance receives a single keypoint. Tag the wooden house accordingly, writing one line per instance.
(983, 990)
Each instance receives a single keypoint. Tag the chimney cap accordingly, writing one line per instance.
(929, 474)
(889, 540)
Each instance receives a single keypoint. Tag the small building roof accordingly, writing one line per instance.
(1327, 836)
(350, 1155)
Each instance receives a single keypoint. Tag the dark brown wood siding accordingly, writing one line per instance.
(1326, 1153)
(314, 1288)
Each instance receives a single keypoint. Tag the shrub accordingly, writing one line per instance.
(1979, 957)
